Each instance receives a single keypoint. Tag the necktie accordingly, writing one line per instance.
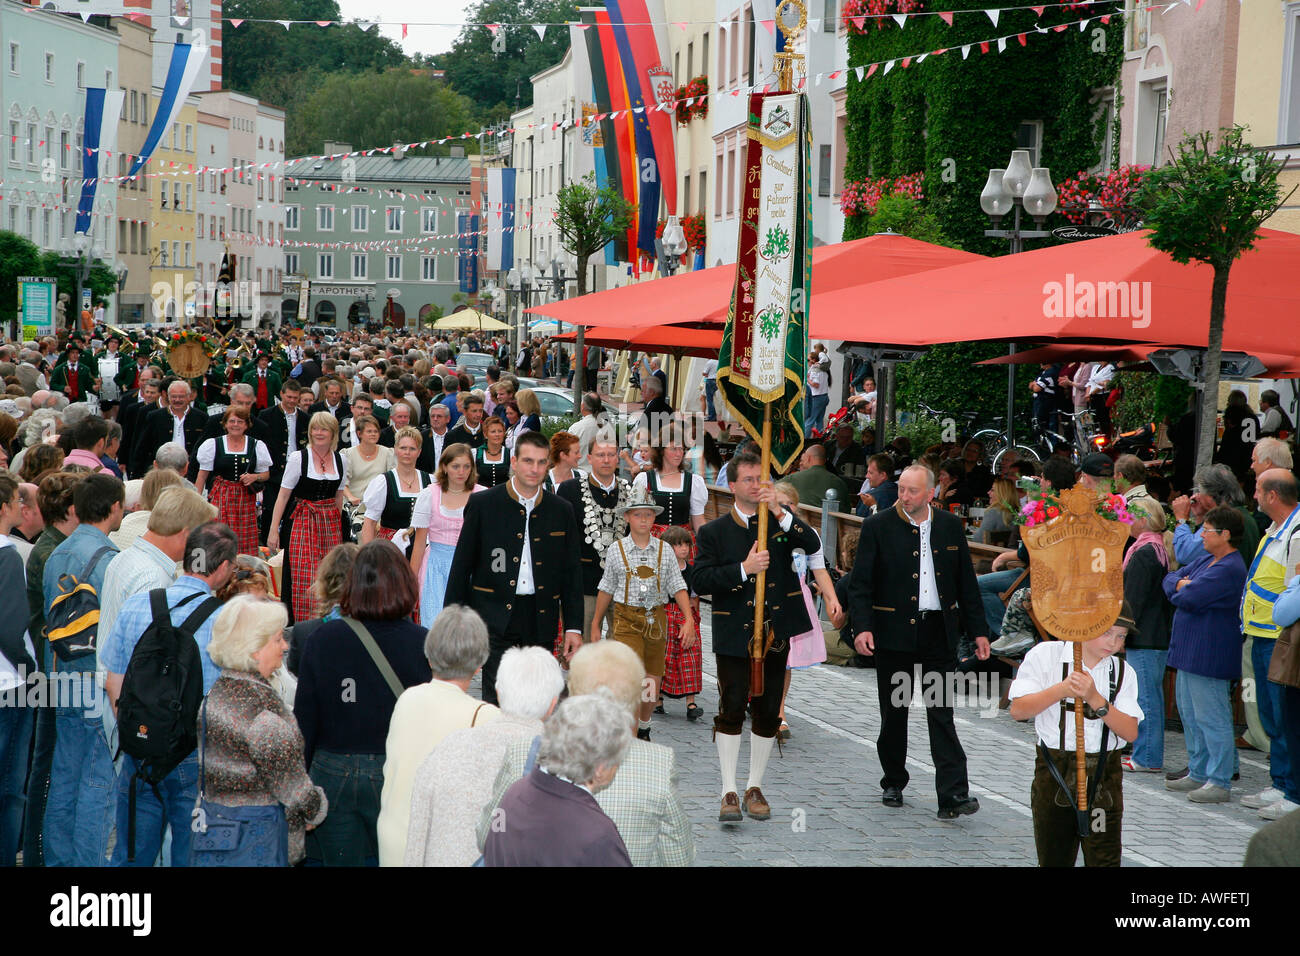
(73, 391)
(261, 390)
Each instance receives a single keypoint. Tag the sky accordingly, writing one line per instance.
(419, 39)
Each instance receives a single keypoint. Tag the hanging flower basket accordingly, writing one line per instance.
(861, 15)
(862, 196)
(1113, 192)
(693, 100)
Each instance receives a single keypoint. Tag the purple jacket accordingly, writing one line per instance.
(1206, 637)
(547, 821)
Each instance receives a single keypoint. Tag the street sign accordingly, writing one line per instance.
(85, 300)
(36, 306)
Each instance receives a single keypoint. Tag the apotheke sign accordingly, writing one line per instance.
(318, 288)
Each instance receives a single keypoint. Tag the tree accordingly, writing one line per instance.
(18, 257)
(494, 78)
(377, 109)
(908, 217)
(1208, 204)
(588, 219)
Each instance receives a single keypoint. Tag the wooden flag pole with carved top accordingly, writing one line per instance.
(761, 641)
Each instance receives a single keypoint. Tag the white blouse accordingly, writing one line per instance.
(699, 491)
(422, 513)
(293, 469)
(207, 453)
(376, 496)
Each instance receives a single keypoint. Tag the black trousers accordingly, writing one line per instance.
(1056, 828)
(521, 631)
(895, 681)
(733, 694)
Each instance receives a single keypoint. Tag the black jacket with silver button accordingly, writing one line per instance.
(485, 568)
(723, 544)
(885, 584)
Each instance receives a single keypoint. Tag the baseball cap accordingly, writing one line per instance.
(1098, 465)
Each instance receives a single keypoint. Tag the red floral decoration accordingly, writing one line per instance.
(1113, 191)
(859, 15)
(693, 100)
(692, 228)
(862, 197)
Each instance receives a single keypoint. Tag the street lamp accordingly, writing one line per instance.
(1020, 186)
(120, 269)
(670, 247)
(80, 253)
(559, 276)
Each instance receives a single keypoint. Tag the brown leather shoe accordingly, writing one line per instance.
(730, 812)
(1244, 744)
(755, 805)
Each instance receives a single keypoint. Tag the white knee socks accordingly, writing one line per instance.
(760, 748)
(728, 757)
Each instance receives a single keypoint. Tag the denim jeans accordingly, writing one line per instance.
(83, 793)
(991, 585)
(179, 790)
(1149, 667)
(1206, 713)
(15, 737)
(710, 389)
(1269, 698)
(352, 784)
(816, 414)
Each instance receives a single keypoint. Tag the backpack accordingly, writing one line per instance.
(157, 712)
(72, 624)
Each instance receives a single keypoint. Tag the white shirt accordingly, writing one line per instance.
(699, 490)
(787, 519)
(376, 496)
(438, 441)
(207, 453)
(1041, 669)
(1101, 375)
(817, 381)
(711, 368)
(293, 469)
(928, 597)
(291, 428)
(178, 429)
(524, 584)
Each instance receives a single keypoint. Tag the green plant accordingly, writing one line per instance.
(908, 217)
(556, 423)
(921, 430)
(946, 377)
(1208, 205)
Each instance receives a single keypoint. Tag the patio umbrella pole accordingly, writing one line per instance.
(1011, 399)
(580, 373)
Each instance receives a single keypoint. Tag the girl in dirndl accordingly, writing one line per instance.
(313, 480)
(683, 497)
(235, 463)
(492, 459)
(809, 648)
(437, 518)
(390, 497)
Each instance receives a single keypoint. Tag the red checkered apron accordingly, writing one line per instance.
(387, 533)
(238, 508)
(316, 531)
(683, 668)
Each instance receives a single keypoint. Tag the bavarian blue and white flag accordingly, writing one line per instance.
(184, 69)
(499, 216)
(103, 107)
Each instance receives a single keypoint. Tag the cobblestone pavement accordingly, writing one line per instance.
(825, 789)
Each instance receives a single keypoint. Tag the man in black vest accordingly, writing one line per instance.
(726, 564)
(912, 591)
(516, 560)
(285, 427)
(599, 526)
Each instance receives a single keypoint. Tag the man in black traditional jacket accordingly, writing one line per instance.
(912, 592)
(516, 560)
(725, 567)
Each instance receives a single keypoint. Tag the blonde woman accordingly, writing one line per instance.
(251, 750)
(437, 517)
(390, 497)
(996, 527)
(530, 411)
(313, 480)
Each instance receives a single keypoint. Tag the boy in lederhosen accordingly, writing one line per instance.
(1045, 689)
(641, 577)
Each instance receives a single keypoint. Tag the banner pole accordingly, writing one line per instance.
(758, 646)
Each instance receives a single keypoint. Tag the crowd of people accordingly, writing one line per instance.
(368, 514)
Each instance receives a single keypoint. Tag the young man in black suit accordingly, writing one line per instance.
(912, 591)
(285, 427)
(726, 564)
(516, 561)
(332, 401)
(469, 430)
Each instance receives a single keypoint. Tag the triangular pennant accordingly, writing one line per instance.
(284, 23)
(85, 18)
(1021, 38)
(493, 28)
(862, 70)
(921, 58)
(323, 23)
(907, 61)
(1038, 11)
(965, 51)
(946, 17)
(403, 31)
(366, 24)
(769, 26)
(993, 15)
(984, 46)
(541, 30)
(888, 66)
(900, 19)
(815, 26)
(1106, 18)
(1083, 25)
(860, 23)
(1002, 44)
(1059, 27)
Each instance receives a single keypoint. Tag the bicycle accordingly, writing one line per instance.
(993, 439)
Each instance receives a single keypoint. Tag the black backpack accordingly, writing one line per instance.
(157, 712)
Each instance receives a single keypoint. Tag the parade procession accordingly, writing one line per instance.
(512, 433)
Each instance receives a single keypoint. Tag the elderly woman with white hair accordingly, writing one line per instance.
(554, 819)
(456, 647)
(455, 780)
(251, 750)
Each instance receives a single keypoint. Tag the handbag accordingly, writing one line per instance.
(1284, 665)
(234, 836)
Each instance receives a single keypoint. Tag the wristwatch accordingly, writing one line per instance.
(1103, 710)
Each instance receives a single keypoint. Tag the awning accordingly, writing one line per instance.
(1116, 289)
(1277, 364)
(702, 297)
(659, 339)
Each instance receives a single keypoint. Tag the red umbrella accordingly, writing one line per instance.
(1277, 364)
(703, 296)
(1115, 289)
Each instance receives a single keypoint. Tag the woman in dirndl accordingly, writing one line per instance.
(492, 459)
(313, 480)
(235, 463)
(437, 518)
(390, 497)
(683, 497)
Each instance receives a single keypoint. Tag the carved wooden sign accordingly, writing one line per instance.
(1076, 566)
